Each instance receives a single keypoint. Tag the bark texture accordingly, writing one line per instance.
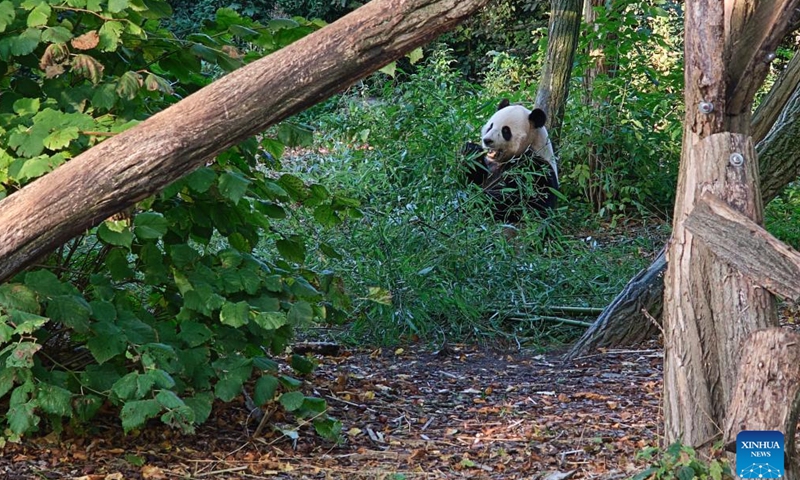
(742, 243)
(562, 41)
(139, 162)
(767, 395)
(779, 148)
(710, 308)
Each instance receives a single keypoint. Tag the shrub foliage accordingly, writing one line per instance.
(183, 300)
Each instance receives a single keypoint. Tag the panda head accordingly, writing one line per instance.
(512, 130)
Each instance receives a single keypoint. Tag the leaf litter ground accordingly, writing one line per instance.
(465, 412)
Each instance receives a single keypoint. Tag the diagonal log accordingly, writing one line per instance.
(743, 243)
(143, 160)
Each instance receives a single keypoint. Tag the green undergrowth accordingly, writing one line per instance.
(426, 261)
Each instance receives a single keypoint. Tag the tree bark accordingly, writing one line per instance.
(710, 307)
(779, 164)
(767, 395)
(779, 148)
(742, 243)
(562, 41)
(143, 160)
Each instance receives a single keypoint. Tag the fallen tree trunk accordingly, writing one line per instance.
(143, 160)
(779, 164)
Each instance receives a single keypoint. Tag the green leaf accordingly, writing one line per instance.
(26, 43)
(129, 84)
(270, 320)
(105, 96)
(233, 186)
(39, 15)
(295, 135)
(169, 399)
(26, 106)
(330, 251)
(108, 343)
(22, 355)
(291, 401)
(228, 388)
(234, 314)
(27, 322)
(201, 405)
(115, 232)
(328, 428)
(118, 265)
(201, 179)
(136, 412)
(21, 417)
(294, 187)
(292, 248)
(19, 297)
(110, 34)
(7, 14)
(27, 169)
(61, 138)
(45, 282)
(28, 142)
(326, 216)
(301, 313)
(302, 365)
(71, 310)
(389, 69)
(54, 400)
(194, 334)
(150, 225)
(415, 56)
(116, 6)
(265, 389)
(7, 378)
(56, 35)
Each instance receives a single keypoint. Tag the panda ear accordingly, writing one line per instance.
(503, 104)
(538, 118)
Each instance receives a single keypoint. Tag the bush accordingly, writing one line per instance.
(161, 311)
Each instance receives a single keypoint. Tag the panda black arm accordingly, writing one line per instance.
(477, 170)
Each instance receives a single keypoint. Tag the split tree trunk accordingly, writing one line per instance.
(623, 322)
(562, 41)
(143, 160)
(710, 307)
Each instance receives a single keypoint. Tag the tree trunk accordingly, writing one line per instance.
(776, 127)
(143, 160)
(710, 307)
(562, 41)
(767, 395)
(779, 164)
(595, 192)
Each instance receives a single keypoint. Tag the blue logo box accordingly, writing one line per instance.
(759, 454)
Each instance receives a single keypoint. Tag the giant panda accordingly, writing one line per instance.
(514, 140)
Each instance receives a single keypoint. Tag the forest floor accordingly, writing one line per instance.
(465, 412)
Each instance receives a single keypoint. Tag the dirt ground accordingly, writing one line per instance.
(461, 413)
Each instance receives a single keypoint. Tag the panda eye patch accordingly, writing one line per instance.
(506, 133)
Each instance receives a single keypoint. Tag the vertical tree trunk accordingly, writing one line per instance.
(595, 192)
(709, 307)
(562, 41)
